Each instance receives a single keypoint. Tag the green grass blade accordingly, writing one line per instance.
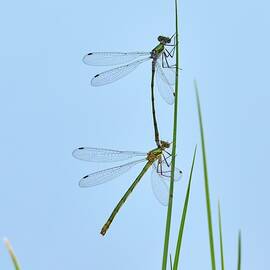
(220, 238)
(206, 185)
(170, 203)
(171, 266)
(239, 251)
(183, 218)
(12, 254)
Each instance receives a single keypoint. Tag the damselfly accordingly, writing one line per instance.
(160, 61)
(157, 158)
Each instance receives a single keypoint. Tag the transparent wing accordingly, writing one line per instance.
(168, 68)
(115, 74)
(165, 170)
(159, 187)
(111, 58)
(166, 173)
(103, 155)
(159, 181)
(165, 88)
(104, 176)
(169, 74)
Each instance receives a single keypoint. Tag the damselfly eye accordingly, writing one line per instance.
(164, 40)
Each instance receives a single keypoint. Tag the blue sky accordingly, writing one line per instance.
(48, 108)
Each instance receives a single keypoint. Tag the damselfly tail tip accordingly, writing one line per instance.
(103, 231)
(105, 228)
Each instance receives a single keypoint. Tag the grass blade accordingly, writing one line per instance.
(171, 266)
(183, 218)
(239, 251)
(12, 254)
(170, 203)
(206, 185)
(220, 238)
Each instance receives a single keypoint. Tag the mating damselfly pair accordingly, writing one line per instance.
(158, 158)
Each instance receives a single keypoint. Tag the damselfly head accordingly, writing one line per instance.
(164, 144)
(164, 40)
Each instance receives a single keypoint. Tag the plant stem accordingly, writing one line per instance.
(239, 251)
(220, 238)
(183, 218)
(12, 254)
(170, 203)
(206, 185)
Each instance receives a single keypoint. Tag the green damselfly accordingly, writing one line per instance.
(157, 54)
(156, 158)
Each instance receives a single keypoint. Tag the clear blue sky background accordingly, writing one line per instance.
(48, 108)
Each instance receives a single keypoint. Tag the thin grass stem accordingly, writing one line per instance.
(206, 185)
(12, 254)
(239, 251)
(183, 218)
(220, 238)
(175, 118)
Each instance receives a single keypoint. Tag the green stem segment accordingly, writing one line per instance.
(12, 255)
(206, 185)
(239, 251)
(170, 203)
(220, 238)
(171, 264)
(153, 107)
(183, 218)
(124, 198)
